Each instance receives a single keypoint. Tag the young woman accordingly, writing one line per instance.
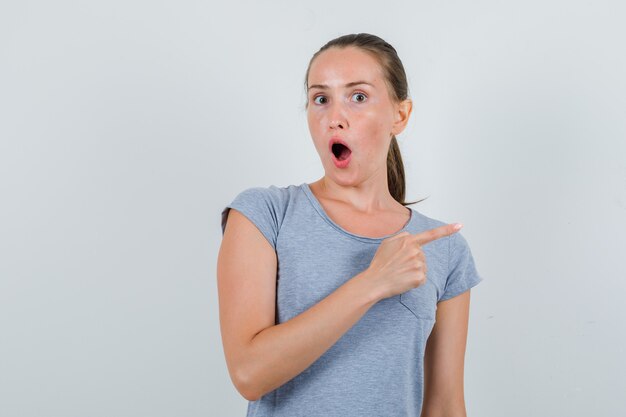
(335, 298)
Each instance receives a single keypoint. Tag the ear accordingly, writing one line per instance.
(402, 114)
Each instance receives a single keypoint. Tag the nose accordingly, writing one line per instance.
(338, 119)
(336, 124)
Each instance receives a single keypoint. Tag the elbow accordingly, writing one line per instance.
(249, 393)
(245, 386)
(249, 375)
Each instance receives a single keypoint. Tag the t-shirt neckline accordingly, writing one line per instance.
(320, 210)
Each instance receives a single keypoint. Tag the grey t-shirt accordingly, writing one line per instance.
(376, 367)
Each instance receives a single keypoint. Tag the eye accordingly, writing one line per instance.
(360, 97)
(315, 100)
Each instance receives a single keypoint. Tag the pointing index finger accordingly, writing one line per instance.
(438, 232)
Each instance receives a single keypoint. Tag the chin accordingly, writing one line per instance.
(341, 178)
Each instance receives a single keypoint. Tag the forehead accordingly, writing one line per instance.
(342, 65)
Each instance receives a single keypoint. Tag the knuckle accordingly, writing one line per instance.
(420, 279)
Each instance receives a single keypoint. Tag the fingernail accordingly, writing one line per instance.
(457, 226)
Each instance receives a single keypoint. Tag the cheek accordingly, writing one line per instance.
(370, 117)
(312, 125)
(314, 130)
(313, 119)
(373, 125)
(384, 129)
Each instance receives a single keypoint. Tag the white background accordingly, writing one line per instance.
(127, 126)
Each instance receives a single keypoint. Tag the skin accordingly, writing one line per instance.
(366, 116)
(262, 355)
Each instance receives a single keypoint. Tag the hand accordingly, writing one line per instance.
(399, 263)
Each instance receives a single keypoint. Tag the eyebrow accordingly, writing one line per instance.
(352, 84)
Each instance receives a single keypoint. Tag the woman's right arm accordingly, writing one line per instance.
(260, 354)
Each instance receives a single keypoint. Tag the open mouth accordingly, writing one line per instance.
(341, 151)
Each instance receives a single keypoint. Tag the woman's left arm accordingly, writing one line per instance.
(444, 359)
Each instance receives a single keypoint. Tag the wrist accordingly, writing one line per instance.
(365, 289)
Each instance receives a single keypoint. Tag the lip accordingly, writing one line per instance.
(338, 163)
(337, 139)
(341, 164)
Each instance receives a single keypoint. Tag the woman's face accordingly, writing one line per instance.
(349, 100)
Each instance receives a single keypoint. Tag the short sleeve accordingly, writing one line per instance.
(263, 207)
(462, 274)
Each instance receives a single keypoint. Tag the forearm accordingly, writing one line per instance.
(451, 413)
(281, 352)
(448, 407)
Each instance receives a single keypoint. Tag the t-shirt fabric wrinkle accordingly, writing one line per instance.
(376, 367)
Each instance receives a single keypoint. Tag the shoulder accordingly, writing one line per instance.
(264, 206)
(454, 243)
(271, 197)
(454, 254)
(425, 222)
